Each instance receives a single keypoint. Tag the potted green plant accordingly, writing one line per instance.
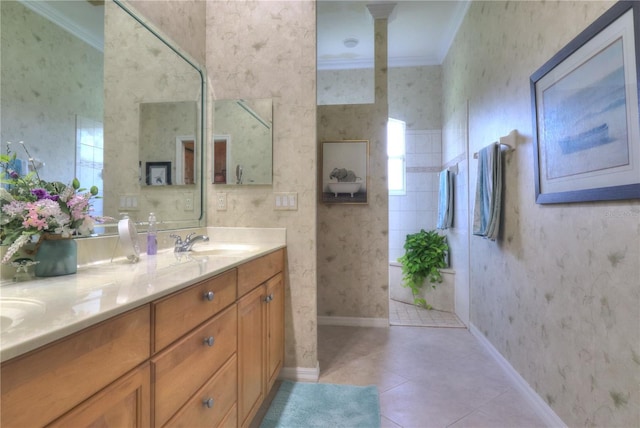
(425, 254)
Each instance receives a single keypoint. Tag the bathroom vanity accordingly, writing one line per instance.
(165, 342)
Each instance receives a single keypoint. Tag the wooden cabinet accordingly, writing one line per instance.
(275, 328)
(124, 403)
(251, 353)
(198, 357)
(44, 384)
(260, 333)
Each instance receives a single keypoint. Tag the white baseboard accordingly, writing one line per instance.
(354, 321)
(300, 374)
(541, 408)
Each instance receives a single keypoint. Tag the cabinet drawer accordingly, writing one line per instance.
(255, 272)
(210, 406)
(183, 368)
(177, 314)
(42, 385)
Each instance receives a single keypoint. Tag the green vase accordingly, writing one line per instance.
(56, 256)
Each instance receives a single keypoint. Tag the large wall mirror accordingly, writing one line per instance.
(243, 141)
(97, 93)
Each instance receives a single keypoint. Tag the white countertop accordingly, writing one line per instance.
(58, 306)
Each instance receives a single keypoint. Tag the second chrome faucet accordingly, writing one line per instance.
(182, 246)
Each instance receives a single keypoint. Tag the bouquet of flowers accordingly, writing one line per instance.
(32, 207)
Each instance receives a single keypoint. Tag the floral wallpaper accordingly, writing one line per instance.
(266, 49)
(32, 48)
(353, 270)
(414, 93)
(353, 86)
(558, 295)
(182, 20)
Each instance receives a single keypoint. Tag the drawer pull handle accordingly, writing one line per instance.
(209, 295)
(209, 341)
(269, 298)
(207, 402)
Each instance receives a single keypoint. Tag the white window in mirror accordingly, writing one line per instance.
(396, 157)
(90, 158)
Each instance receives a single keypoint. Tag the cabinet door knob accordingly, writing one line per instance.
(208, 402)
(209, 295)
(209, 341)
(269, 298)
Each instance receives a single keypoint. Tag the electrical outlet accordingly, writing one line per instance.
(221, 201)
(188, 201)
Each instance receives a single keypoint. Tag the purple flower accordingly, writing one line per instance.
(13, 174)
(43, 194)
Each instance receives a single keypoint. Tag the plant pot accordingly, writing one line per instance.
(56, 256)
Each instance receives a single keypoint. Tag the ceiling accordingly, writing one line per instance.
(420, 32)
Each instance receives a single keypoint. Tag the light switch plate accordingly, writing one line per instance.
(285, 201)
(128, 203)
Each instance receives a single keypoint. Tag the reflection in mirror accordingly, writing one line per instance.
(243, 151)
(74, 92)
(51, 81)
(168, 134)
(151, 79)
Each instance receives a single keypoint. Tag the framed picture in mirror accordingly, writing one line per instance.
(158, 173)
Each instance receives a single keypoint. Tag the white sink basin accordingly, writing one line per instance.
(15, 310)
(222, 249)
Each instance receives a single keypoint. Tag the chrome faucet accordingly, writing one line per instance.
(183, 246)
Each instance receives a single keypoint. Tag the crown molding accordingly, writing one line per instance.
(46, 11)
(393, 62)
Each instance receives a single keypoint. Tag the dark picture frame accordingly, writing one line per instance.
(344, 169)
(158, 173)
(585, 113)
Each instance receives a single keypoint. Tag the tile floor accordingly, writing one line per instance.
(401, 313)
(427, 377)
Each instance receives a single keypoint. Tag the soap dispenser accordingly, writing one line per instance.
(152, 241)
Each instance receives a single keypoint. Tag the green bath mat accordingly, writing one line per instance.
(299, 404)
